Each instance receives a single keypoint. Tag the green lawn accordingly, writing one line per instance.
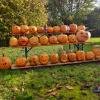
(49, 83)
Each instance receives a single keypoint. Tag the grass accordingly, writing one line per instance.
(42, 84)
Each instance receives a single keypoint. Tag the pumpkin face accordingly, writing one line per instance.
(50, 29)
(90, 55)
(13, 42)
(73, 28)
(23, 41)
(80, 55)
(83, 36)
(16, 29)
(40, 29)
(81, 27)
(5, 63)
(72, 39)
(32, 29)
(62, 38)
(21, 62)
(72, 56)
(56, 29)
(44, 40)
(34, 40)
(53, 40)
(44, 59)
(64, 28)
(24, 29)
(54, 58)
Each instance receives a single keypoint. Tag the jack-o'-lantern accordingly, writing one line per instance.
(63, 28)
(23, 41)
(32, 29)
(40, 29)
(83, 36)
(53, 40)
(5, 62)
(34, 40)
(80, 55)
(62, 38)
(13, 42)
(44, 40)
(50, 29)
(56, 29)
(72, 38)
(43, 59)
(72, 56)
(90, 55)
(16, 29)
(24, 29)
(73, 28)
(81, 27)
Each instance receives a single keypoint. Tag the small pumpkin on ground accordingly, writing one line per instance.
(90, 55)
(16, 29)
(56, 29)
(73, 28)
(72, 38)
(32, 29)
(40, 29)
(50, 29)
(53, 40)
(24, 29)
(64, 28)
(72, 56)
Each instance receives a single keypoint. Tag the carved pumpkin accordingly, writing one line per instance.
(40, 29)
(72, 56)
(23, 41)
(53, 40)
(5, 62)
(63, 28)
(81, 27)
(83, 36)
(24, 29)
(64, 57)
(16, 29)
(80, 55)
(34, 60)
(50, 29)
(13, 41)
(73, 28)
(44, 59)
(54, 58)
(90, 55)
(34, 40)
(21, 62)
(72, 38)
(32, 29)
(56, 29)
(62, 38)
(44, 40)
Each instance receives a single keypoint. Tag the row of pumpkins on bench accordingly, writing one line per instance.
(81, 36)
(24, 29)
(54, 58)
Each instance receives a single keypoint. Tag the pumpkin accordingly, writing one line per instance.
(50, 29)
(54, 58)
(83, 36)
(43, 59)
(34, 60)
(23, 41)
(16, 29)
(24, 29)
(34, 40)
(90, 55)
(21, 62)
(72, 38)
(72, 56)
(56, 29)
(53, 40)
(40, 29)
(81, 27)
(73, 28)
(32, 29)
(64, 57)
(63, 28)
(44, 40)
(62, 38)
(5, 62)
(13, 41)
(80, 55)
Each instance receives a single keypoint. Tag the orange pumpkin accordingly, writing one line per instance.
(40, 29)
(73, 28)
(5, 62)
(83, 36)
(72, 56)
(16, 29)
(13, 42)
(81, 27)
(80, 55)
(63, 28)
(44, 40)
(21, 62)
(32, 29)
(90, 55)
(50, 29)
(43, 59)
(62, 38)
(53, 40)
(72, 38)
(23, 41)
(54, 58)
(56, 29)
(34, 40)
(24, 29)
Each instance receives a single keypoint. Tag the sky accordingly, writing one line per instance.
(98, 3)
